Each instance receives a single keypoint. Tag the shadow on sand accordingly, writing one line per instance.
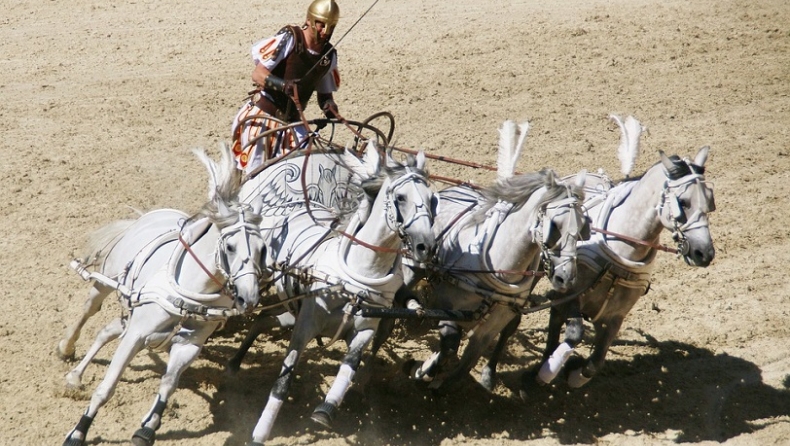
(667, 388)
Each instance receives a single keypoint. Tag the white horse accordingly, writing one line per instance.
(334, 276)
(180, 278)
(487, 263)
(615, 264)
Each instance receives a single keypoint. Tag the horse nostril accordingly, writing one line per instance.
(420, 247)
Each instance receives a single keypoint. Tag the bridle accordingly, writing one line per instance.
(677, 221)
(565, 246)
(393, 212)
(227, 276)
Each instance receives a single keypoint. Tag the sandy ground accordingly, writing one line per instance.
(100, 103)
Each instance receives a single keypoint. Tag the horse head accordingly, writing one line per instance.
(411, 205)
(240, 247)
(409, 202)
(562, 226)
(686, 200)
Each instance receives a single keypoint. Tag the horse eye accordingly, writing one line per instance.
(231, 249)
(400, 197)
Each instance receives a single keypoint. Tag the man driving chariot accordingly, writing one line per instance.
(292, 64)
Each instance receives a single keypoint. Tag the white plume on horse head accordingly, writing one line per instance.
(510, 147)
(224, 178)
(364, 168)
(630, 131)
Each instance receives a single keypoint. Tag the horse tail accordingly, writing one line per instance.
(101, 241)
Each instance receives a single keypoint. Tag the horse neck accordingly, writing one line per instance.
(637, 217)
(202, 237)
(513, 246)
(375, 232)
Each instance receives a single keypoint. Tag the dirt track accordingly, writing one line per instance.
(101, 103)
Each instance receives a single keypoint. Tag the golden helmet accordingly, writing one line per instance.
(325, 11)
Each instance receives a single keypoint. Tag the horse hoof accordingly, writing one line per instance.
(324, 414)
(573, 372)
(488, 379)
(530, 383)
(145, 436)
(254, 443)
(73, 442)
(232, 367)
(65, 354)
(73, 381)
(409, 366)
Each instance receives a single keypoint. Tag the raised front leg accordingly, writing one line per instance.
(574, 330)
(605, 334)
(488, 375)
(185, 347)
(558, 315)
(449, 344)
(480, 338)
(325, 412)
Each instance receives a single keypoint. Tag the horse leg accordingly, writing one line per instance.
(302, 334)
(186, 346)
(385, 328)
(130, 345)
(479, 339)
(574, 330)
(262, 323)
(488, 374)
(449, 344)
(605, 334)
(557, 318)
(96, 295)
(325, 412)
(108, 333)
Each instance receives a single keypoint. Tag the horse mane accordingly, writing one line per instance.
(224, 186)
(518, 189)
(392, 170)
(680, 168)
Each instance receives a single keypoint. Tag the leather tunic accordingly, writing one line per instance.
(298, 65)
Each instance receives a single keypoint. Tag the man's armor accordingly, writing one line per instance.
(300, 65)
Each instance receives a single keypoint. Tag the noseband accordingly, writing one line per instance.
(394, 216)
(568, 238)
(228, 277)
(678, 222)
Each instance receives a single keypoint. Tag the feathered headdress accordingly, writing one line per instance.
(630, 131)
(511, 139)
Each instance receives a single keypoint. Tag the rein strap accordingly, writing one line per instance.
(635, 240)
(202, 266)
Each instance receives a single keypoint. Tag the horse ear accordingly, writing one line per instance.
(666, 161)
(257, 204)
(420, 160)
(581, 177)
(372, 159)
(213, 183)
(222, 207)
(551, 179)
(702, 156)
